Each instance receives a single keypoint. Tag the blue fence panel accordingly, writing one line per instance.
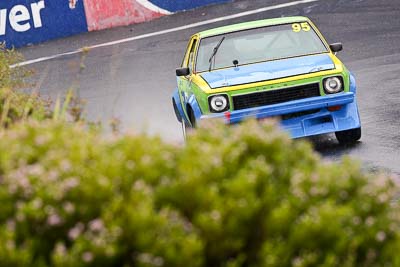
(25, 22)
(179, 5)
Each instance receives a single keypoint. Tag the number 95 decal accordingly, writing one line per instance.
(297, 27)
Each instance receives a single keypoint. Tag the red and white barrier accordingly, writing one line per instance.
(103, 14)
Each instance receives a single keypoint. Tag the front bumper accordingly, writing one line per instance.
(320, 122)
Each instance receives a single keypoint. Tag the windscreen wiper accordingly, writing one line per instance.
(215, 51)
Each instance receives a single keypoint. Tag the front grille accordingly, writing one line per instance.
(275, 96)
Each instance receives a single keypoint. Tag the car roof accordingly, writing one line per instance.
(251, 25)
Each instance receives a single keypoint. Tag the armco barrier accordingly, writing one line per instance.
(25, 22)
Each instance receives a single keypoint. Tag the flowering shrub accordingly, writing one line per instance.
(239, 196)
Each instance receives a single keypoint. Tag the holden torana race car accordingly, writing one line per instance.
(268, 68)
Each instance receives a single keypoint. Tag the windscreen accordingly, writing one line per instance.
(257, 45)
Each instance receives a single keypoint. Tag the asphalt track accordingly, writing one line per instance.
(133, 81)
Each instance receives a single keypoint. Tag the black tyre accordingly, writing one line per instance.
(192, 118)
(349, 136)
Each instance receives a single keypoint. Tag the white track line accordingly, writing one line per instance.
(193, 25)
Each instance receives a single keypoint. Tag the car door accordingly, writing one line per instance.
(185, 82)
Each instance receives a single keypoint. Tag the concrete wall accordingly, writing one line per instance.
(24, 22)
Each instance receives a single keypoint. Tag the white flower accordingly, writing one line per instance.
(37, 203)
(139, 185)
(60, 249)
(71, 183)
(35, 170)
(87, 256)
(65, 165)
(356, 220)
(10, 225)
(215, 215)
(69, 207)
(130, 164)
(54, 220)
(96, 225)
(370, 221)
(76, 231)
(380, 236)
(41, 140)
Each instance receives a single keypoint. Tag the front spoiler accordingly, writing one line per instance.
(323, 121)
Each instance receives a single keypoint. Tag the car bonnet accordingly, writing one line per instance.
(266, 71)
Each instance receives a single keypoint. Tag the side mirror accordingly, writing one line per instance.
(336, 47)
(182, 72)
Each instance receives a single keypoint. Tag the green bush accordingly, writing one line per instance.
(239, 196)
(11, 76)
(15, 104)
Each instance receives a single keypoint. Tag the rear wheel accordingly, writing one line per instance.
(348, 136)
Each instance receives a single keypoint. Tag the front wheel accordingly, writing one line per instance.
(348, 136)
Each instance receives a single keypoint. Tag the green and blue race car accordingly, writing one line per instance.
(269, 68)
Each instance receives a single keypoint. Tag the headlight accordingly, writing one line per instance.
(218, 103)
(333, 85)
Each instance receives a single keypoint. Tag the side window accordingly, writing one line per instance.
(189, 57)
